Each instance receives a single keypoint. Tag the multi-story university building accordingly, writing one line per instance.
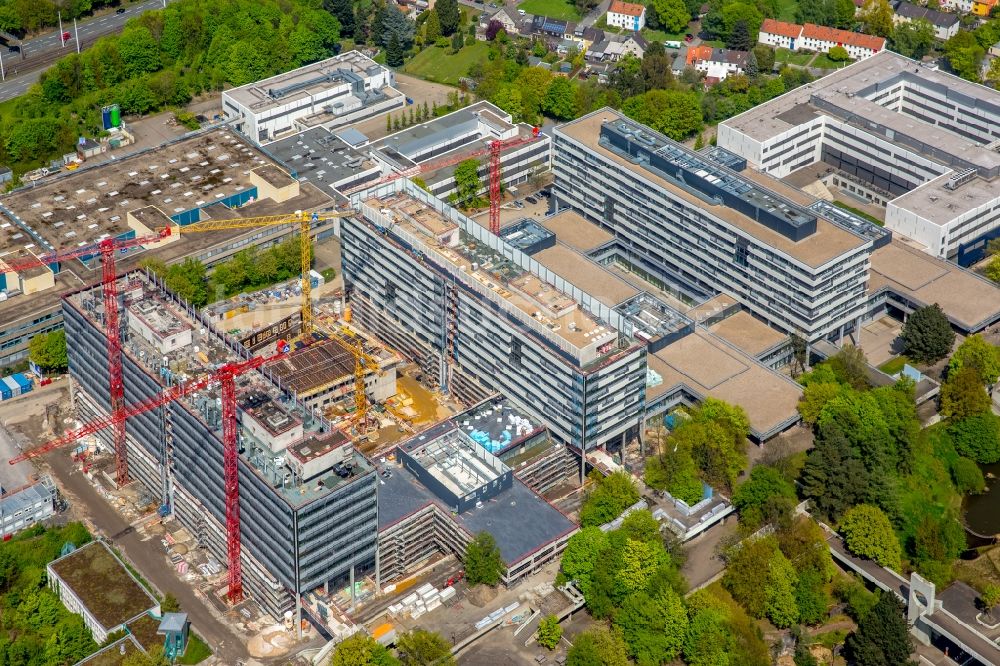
(482, 316)
(307, 499)
(701, 228)
(893, 132)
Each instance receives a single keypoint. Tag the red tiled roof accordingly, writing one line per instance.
(846, 37)
(628, 8)
(773, 27)
(696, 53)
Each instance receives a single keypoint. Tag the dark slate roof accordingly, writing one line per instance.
(936, 18)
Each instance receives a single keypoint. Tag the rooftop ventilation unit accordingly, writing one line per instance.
(960, 178)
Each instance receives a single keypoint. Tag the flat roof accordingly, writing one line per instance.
(585, 274)
(519, 520)
(711, 307)
(114, 654)
(576, 231)
(938, 204)
(454, 460)
(320, 157)
(750, 335)
(103, 584)
(158, 317)
(87, 205)
(273, 175)
(418, 139)
(824, 245)
(964, 296)
(708, 367)
(496, 424)
(304, 82)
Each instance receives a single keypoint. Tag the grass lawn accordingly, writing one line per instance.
(660, 36)
(788, 57)
(197, 651)
(442, 66)
(714, 43)
(823, 62)
(557, 9)
(894, 365)
(858, 211)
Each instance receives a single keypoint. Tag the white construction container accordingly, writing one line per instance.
(447, 593)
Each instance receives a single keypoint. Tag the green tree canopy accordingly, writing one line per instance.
(963, 395)
(756, 497)
(882, 637)
(560, 99)
(483, 564)
(977, 437)
(467, 183)
(927, 335)
(876, 15)
(612, 495)
(654, 628)
(48, 351)
(913, 39)
(420, 647)
(448, 14)
(967, 476)
(360, 649)
(964, 54)
(976, 352)
(598, 647)
(549, 632)
(673, 112)
(672, 15)
(869, 534)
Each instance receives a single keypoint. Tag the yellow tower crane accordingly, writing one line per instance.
(362, 361)
(304, 220)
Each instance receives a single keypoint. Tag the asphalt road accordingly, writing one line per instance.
(148, 558)
(23, 69)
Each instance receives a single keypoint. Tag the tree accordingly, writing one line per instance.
(560, 99)
(447, 11)
(977, 437)
(967, 476)
(869, 534)
(927, 335)
(832, 477)
(850, 367)
(483, 564)
(675, 471)
(457, 42)
(653, 627)
(802, 655)
(169, 604)
(964, 54)
(494, 28)
(613, 494)
(765, 57)
(913, 39)
(780, 605)
(549, 632)
(963, 395)
(993, 268)
(739, 37)
(976, 352)
(598, 647)
(360, 649)
(804, 543)
(432, 28)
(815, 397)
(736, 12)
(467, 183)
(420, 648)
(139, 658)
(810, 598)
(581, 555)
(989, 598)
(748, 572)
(761, 491)
(673, 15)
(675, 113)
(876, 15)
(343, 10)
(838, 54)
(48, 351)
(882, 637)
(394, 51)
(70, 642)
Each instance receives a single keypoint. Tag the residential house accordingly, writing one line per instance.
(508, 17)
(780, 34)
(627, 15)
(716, 64)
(812, 37)
(858, 45)
(983, 7)
(960, 6)
(613, 48)
(550, 27)
(945, 23)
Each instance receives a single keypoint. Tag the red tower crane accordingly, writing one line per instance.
(493, 150)
(106, 249)
(226, 376)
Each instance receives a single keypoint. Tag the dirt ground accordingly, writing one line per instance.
(37, 417)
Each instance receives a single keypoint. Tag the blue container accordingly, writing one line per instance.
(23, 381)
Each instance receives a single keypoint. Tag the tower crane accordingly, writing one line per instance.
(106, 249)
(304, 220)
(362, 361)
(493, 150)
(225, 376)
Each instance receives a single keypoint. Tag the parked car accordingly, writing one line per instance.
(688, 37)
(531, 199)
(120, 10)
